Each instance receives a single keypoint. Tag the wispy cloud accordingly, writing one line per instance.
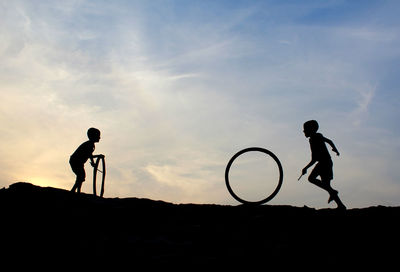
(177, 90)
(365, 98)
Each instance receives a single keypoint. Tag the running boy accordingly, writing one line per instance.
(81, 155)
(320, 155)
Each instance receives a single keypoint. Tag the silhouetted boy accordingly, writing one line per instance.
(81, 155)
(320, 155)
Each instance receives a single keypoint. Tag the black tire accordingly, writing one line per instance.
(258, 149)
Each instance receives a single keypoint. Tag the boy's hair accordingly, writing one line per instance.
(311, 125)
(92, 132)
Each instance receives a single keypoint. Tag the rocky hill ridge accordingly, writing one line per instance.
(54, 222)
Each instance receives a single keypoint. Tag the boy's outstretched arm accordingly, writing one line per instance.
(334, 149)
(92, 161)
(93, 157)
(311, 163)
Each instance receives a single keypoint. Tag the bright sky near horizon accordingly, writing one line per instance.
(178, 87)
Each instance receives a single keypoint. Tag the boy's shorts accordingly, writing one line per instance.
(323, 169)
(79, 171)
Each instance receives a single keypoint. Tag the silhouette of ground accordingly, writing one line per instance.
(42, 224)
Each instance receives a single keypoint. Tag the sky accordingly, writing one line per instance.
(178, 87)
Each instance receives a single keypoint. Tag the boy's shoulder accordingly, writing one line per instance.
(316, 137)
(87, 144)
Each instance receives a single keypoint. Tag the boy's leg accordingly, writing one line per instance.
(79, 187)
(79, 170)
(340, 204)
(332, 192)
(333, 196)
(326, 173)
(313, 179)
(74, 188)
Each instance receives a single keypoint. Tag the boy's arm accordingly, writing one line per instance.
(92, 157)
(311, 163)
(91, 160)
(334, 149)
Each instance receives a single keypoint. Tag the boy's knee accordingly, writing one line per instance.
(80, 177)
(79, 180)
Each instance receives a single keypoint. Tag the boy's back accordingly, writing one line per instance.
(319, 151)
(83, 152)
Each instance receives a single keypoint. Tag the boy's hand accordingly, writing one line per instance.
(92, 164)
(101, 156)
(336, 151)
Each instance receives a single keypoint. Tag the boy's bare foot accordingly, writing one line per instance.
(332, 196)
(341, 207)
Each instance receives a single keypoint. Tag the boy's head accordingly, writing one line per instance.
(93, 134)
(310, 128)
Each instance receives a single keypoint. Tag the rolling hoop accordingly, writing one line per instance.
(103, 171)
(258, 149)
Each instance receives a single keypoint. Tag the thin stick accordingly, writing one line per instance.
(300, 177)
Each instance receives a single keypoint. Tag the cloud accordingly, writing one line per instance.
(177, 92)
(181, 179)
(365, 98)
